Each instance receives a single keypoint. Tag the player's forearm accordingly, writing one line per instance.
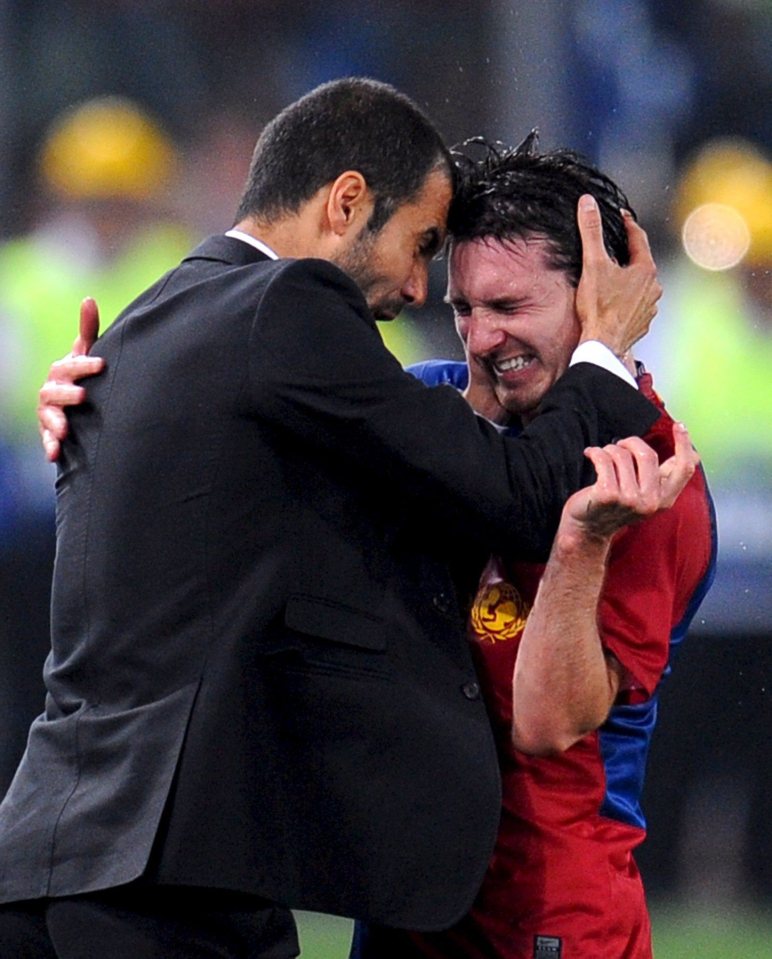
(562, 684)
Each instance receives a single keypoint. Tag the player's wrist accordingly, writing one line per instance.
(613, 342)
(576, 539)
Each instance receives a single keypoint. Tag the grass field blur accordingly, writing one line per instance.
(740, 934)
(678, 934)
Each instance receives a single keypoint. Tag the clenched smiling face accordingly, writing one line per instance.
(517, 319)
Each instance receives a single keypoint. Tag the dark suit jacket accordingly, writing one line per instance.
(259, 678)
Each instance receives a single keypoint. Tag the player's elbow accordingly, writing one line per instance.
(543, 738)
(545, 724)
(549, 731)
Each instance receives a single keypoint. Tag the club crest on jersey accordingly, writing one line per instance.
(499, 612)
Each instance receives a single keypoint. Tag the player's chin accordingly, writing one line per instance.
(518, 402)
(523, 397)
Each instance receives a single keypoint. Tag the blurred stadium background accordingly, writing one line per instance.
(673, 99)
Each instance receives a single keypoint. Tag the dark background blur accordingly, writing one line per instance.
(673, 99)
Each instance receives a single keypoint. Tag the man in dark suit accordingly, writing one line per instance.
(259, 690)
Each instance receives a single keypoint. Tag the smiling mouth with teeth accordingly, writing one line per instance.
(513, 364)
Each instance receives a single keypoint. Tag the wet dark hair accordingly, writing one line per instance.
(349, 124)
(513, 193)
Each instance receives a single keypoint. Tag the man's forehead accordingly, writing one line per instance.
(424, 218)
(515, 245)
(435, 195)
(499, 253)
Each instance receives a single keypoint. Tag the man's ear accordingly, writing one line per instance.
(349, 203)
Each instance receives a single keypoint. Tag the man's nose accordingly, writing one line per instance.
(416, 288)
(484, 333)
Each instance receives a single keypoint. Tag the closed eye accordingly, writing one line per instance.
(502, 307)
(430, 244)
(508, 307)
(459, 307)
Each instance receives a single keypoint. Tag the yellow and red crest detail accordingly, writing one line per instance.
(499, 612)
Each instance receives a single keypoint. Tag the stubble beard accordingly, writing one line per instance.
(357, 263)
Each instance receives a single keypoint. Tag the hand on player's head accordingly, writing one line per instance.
(615, 304)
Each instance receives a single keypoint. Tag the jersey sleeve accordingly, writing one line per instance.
(657, 572)
(441, 372)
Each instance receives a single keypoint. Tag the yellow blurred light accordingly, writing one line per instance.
(715, 236)
(107, 147)
(738, 175)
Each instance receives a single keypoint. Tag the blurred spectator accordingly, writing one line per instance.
(105, 170)
(714, 337)
(728, 45)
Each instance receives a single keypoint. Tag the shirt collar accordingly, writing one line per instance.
(253, 241)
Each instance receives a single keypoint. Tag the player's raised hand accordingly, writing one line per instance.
(615, 304)
(60, 389)
(631, 484)
(674, 473)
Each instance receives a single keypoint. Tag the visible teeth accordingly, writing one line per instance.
(515, 363)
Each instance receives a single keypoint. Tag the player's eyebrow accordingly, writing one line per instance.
(495, 303)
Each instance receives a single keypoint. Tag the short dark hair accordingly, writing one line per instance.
(353, 123)
(509, 193)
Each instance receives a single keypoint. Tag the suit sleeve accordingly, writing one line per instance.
(319, 369)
